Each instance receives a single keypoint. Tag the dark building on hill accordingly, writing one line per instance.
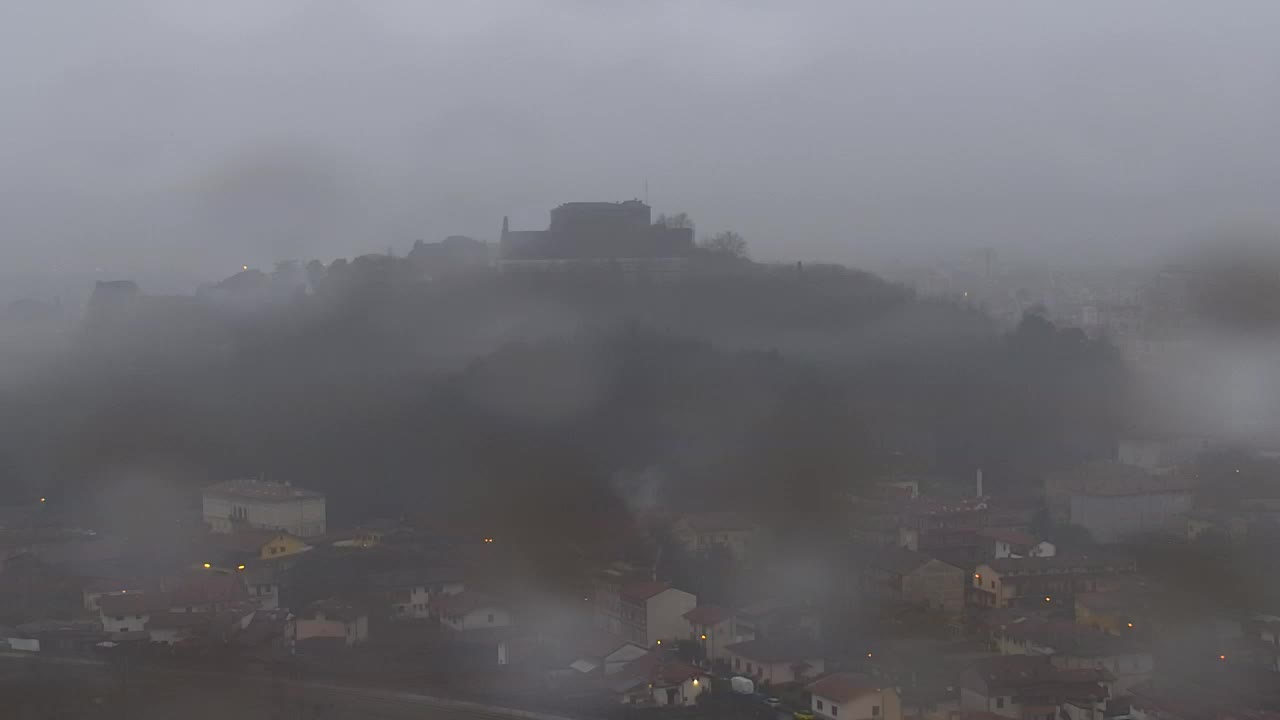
(456, 253)
(597, 231)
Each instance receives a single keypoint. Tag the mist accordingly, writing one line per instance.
(174, 138)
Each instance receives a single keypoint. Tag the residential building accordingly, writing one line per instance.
(646, 612)
(659, 679)
(776, 659)
(1029, 687)
(1005, 543)
(470, 610)
(916, 579)
(853, 696)
(253, 503)
(734, 532)
(773, 616)
(711, 626)
(129, 612)
(331, 619)
(1115, 501)
(1072, 646)
(1043, 581)
(412, 591)
(230, 550)
(262, 580)
(602, 653)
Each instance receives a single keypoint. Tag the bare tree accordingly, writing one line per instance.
(727, 244)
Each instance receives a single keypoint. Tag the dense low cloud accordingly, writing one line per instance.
(185, 138)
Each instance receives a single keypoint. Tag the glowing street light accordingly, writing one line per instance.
(41, 499)
(240, 567)
(207, 566)
(704, 637)
(1048, 599)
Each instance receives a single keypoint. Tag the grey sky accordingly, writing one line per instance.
(192, 136)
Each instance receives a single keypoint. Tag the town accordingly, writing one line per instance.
(1097, 591)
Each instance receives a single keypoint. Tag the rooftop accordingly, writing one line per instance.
(844, 686)
(1114, 479)
(1061, 563)
(463, 603)
(708, 615)
(254, 489)
(642, 591)
(1006, 535)
(777, 649)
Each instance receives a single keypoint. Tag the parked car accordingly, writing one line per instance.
(773, 702)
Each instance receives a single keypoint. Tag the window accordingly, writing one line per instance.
(999, 702)
(818, 703)
(137, 617)
(875, 711)
(119, 618)
(737, 663)
(835, 710)
(748, 667)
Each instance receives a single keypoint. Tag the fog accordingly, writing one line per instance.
(183, 138)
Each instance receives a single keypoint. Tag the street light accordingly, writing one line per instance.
(207, 566)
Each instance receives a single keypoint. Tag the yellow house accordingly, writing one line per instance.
(231, 550)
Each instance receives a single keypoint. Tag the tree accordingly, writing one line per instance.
(726, 244)
(678, 220)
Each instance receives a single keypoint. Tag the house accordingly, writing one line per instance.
(1114, 501)
(262, 581)
(94, 590)
(470, 610)
(852, 696)
(773, 616)
(962, 547)
(1029, 687)
(702, 532)
(1216, 525)
(1005, 542)
(1072, 646)
(263, 505)
(646, 612)
(602, 653)
(340, 622)
(1019, 582)
(171, 628)
(230, 550)
(209, 592)
(413, 590)
(659, 679)
(776, 659)
(711, 626)
(129, 612)
(916, 579)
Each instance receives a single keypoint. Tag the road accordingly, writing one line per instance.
(73, 688)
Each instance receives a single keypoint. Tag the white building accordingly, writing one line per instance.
(850, 696)
(469, 610)
(264, 505)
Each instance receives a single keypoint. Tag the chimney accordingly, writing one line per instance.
(979, 482)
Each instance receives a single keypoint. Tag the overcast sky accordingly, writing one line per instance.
(193, 136)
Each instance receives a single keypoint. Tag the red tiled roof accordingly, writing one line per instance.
(463, 603)
(707, 615)
(642, 591)
(843, 687)
(132, 603)
(659, 667)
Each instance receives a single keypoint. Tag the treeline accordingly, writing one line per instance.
(551, 406)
